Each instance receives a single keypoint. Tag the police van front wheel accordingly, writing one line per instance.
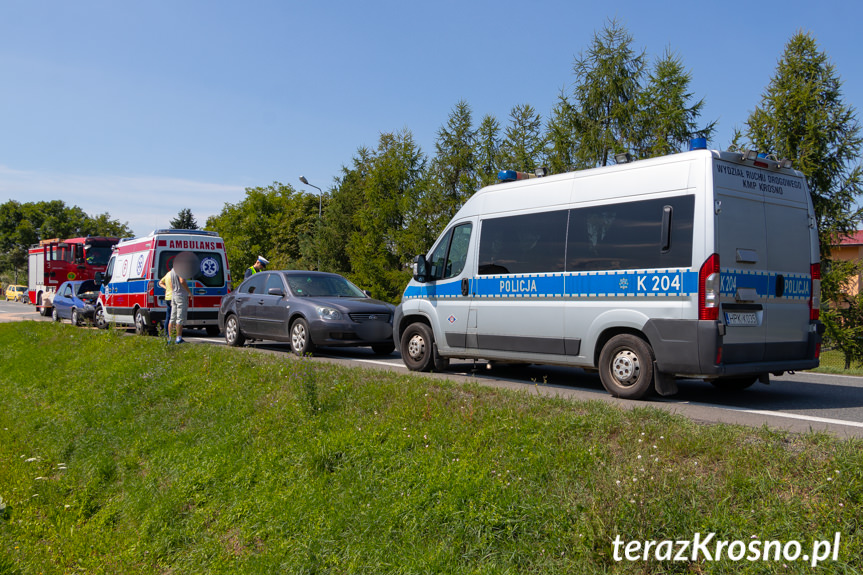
(417, 347)
(626, 367)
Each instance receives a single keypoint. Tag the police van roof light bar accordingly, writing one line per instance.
(513, 175)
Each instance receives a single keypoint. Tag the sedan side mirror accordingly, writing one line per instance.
(276, 291)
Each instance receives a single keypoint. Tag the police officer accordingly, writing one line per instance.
(259, 265)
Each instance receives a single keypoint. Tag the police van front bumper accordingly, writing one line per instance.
(695, 348)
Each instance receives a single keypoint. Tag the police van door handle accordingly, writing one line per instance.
(465, 286)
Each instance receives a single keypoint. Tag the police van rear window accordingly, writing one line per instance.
(210, 267)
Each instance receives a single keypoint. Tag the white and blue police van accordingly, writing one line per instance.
(702, 264)
(130, 292)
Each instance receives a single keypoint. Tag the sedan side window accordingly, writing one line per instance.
(274, 281)
(254, 284)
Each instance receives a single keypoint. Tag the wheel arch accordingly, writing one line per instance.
(609, 333)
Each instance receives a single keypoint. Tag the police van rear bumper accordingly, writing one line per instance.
(695, 348)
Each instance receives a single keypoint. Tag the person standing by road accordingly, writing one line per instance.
(181, 298)
(258, 266)
(165, 283)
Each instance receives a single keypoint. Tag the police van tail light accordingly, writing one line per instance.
(815, 295)
(708, 289)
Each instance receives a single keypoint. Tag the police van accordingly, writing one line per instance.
(701, 264)
(130, 292)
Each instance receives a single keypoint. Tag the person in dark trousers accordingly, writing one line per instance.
(258, 266)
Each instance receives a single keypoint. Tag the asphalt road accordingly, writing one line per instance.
(796, 402)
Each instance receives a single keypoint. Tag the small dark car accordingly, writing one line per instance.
(307, 309)
(75, 301)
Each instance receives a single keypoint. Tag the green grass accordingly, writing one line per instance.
(833, 361)
(123, 455)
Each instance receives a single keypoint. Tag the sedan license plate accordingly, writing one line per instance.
(741, 318)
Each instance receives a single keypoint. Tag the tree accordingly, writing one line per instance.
(487, 151)
(666, 122)
(802, 116)
(561, 137)
(523, 143)
(184, 220)
(608, 81)
(453, 169)
(271, 221)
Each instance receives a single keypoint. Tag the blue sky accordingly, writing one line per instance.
(141, 109)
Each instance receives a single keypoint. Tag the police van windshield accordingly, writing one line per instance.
(210, 269)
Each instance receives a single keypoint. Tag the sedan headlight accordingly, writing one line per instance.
(329, 313)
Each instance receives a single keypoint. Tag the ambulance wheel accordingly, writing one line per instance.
(301, 338)
(76, 319)
(233, 336)
(212, 330)
(734, 383)
(417, 347)
(55, 315)
(626, 367)
(99, 318)
(141, 327)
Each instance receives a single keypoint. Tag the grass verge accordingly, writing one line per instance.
(125, 455)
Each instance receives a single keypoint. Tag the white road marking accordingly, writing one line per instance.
(812, 418)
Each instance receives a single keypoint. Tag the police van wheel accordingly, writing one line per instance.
(734, 383)
(417, 347)
(233, 336)
(626, 367)
(301, 338)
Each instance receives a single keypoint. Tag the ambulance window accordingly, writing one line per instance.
(532, 243)
(110, 270)
(210, 272)
(631, 236)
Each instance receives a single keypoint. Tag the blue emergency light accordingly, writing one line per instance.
(507, 175)
(697, 144)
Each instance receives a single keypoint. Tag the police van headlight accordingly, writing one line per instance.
(329, 313)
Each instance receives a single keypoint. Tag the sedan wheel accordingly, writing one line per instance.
(233, 336)
(55, 315)
(76, 319)
(301, 339)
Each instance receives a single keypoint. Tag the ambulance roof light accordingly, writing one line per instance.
(697, 144)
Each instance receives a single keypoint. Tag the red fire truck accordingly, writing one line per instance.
(55, 261)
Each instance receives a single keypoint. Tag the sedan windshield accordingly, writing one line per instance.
(322, 286)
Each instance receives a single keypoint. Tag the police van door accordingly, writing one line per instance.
(447, 287)
(519, 288)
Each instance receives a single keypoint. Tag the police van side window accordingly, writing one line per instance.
(532, 243)
(449, 257)
(631, 236)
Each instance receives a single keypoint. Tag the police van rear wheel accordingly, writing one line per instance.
(626, 367)
(417, 347)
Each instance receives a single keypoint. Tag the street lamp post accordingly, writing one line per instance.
(318, 233)
(320, 193)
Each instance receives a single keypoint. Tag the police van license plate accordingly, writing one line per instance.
(741, 318)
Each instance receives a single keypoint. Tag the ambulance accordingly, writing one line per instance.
(703, 264)
(130, 292)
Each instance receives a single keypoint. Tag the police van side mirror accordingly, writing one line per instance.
(420, 271)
